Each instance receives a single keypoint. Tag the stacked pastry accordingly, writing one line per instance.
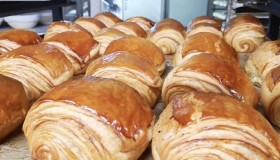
(14, 38)
(263, 67)
(204, 24)
(167, 35)
(211, 126)
(90, 118)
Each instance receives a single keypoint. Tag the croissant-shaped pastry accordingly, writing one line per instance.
(108, 18)
(270, 95)
(212, 126)
(139, 46)
(203, 42)
(13, 105)
(130, 28)
(89, 119)
(204, 27)
(106, 36)
(92, 25)
(209, 73)
(62, 26)
(38, 67)
(167, 35)
(131, 69)
(14, 38)
(244, 33)
(205, 19)
(79, 47)
(265, 58)
(143, 22)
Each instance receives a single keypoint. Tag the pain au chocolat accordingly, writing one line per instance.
(131, 69)
(143, 22)
(92, 25)
(13, 105)
(90, 118)
(212, 126)
(204, 42)
(209, 73)
(14, 38)
(79, 47)
(244, 33)
(38, 67)
(139, 46)
(108, 18)
(130, 28)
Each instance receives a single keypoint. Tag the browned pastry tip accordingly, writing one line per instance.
(13, 105)
(130, 28)
(131, 69)
(205, 19)
(104, 122)
(200, 125)
(108, 18)
(139, 46)
(204, 42)
(91, 24)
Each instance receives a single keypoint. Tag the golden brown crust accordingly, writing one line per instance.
(104, 122)
(62, 26)
(139, 46)
(205, 19)
(198, 123)
(14, 105)
(168, 24)
(131, 69)
(92, 25)
(204, 27)
(244, 33)
(130, 28)
(21, 36)
(108, 18)
(204, 42)
(144, 22)
(199, 68)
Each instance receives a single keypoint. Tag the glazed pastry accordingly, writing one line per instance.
(79, 47)
(244, 33)
(264, 59)
(106, 36)
(131, 69)
(38, 67)
(139, 46)
(61, 26)
(130, 28)
(108, 18)
(212, 126)
(13, 106)
(89, 119)
(92, 25)
(209, 73)
(14, 38)
(204, 27)
(205, 19)
(143, 22)
(203, 42)
(167, 35)
(270, 95)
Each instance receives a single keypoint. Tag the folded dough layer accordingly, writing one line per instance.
(89, 118)
(13, 105)
(38, 67)
(204, 27)
(167, 35)
(131, 69)
(139, 46)
(79, 47)
(203, 42)
(205, 19)
(201, 125)
(143, 22)
(92, 25)
(14, 38)
(130, 28)
(244, 33)
(209, 73)
(108, 18)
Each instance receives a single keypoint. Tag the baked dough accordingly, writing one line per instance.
(130, 28)
(212, 126)
(143, 22)
(90, 118)
(131, 69)
(92, 25)
(108, 18)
